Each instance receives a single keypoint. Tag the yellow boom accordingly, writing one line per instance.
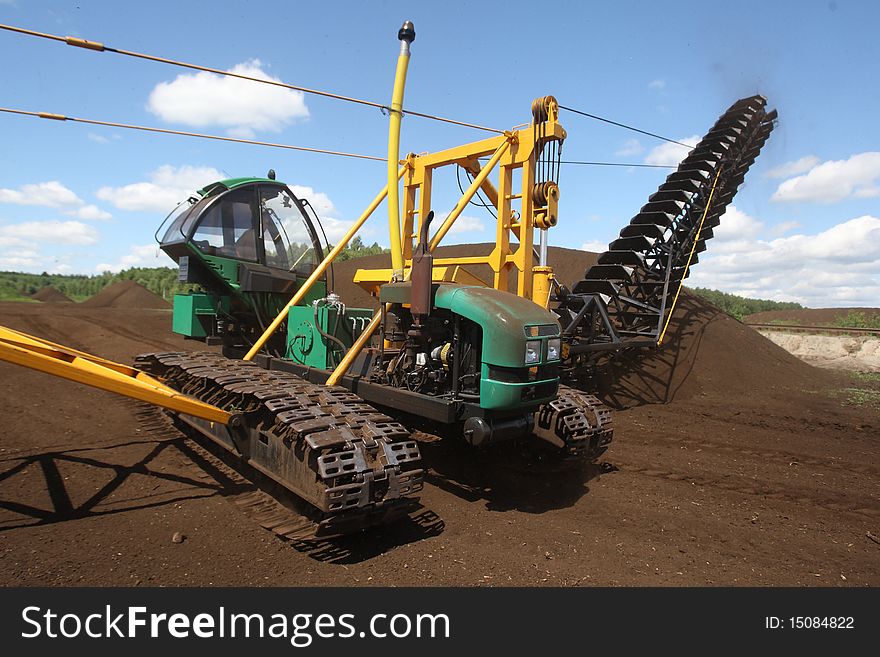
(57, 360)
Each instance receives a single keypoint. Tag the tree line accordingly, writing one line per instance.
(739, 307)
(159, 280)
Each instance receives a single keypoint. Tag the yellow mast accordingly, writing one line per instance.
(406, 35)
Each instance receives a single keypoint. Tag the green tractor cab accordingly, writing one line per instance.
(248, 244)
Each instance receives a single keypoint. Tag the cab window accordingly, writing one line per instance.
(227, 228)
(287, 240)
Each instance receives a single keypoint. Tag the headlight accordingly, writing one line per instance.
(533, 352)
(554, 348)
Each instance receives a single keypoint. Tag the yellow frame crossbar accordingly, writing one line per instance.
(44, 356)
(512, 154)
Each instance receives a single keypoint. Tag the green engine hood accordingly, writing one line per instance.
(502, 315)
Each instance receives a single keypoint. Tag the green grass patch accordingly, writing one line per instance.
(858, 319)
(862, 397)
(865, 392)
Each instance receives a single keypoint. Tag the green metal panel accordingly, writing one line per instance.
(226, 268)
(501, 395)
(306, 345)
(231, 183)
(502, 316)
(193, 313)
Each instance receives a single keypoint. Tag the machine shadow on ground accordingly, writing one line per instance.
(62, 475)
(513, 476)
(363, 546)
(87, 465)
(628, 380)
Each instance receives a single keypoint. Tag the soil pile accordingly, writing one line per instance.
(705, 352)
(808, 316)
(724, 490)
(49, 294)
(126, 294)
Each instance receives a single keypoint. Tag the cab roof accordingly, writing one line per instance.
(232, 183)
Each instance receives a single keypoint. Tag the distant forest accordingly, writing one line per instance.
(739, 307)
(18, 286)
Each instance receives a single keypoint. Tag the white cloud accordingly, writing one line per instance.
(167, 187)
(318, 200)
(53, 194)
(595, 246)
(141, 255)
(464, 224)
(657, 85)
(103, 139)
(839, 266)
(92, 213)
(630, 147)
(669, 154)
(241, 106)
(793, 168)
(50, 194)
(335, 229)
(834, 180)
(737, 225)
(47, 232)
(782, 228)
(21, 259)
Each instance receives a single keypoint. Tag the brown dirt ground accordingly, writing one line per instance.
(49, 294)
(126, 294)
(752, 471)
(808, 316)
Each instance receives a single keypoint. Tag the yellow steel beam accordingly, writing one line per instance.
(406, 36)
(57, 360)
(468, 195)
(356, 349)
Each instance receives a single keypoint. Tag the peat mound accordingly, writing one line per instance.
(705, 351)
(49, 294)
(126, 294)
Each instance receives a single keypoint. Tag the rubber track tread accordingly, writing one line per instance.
(576, 422)
(356, 466)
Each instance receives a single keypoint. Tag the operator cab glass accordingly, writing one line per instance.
(227, 228)
(278, 211)
(253, 222)
(183, 214)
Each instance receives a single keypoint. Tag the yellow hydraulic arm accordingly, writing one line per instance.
(57, 360)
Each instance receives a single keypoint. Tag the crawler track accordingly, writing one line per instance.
(354, 466)
(576, 422)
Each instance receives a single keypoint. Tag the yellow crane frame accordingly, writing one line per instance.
(520, 211)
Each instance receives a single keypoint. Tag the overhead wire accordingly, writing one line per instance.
(128, 126)
(100, 47)
(627, 127)
(620, 164)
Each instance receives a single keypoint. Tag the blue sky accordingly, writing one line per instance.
(805, 225)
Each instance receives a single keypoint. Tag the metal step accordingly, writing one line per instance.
(648, 230)
(630, 258)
